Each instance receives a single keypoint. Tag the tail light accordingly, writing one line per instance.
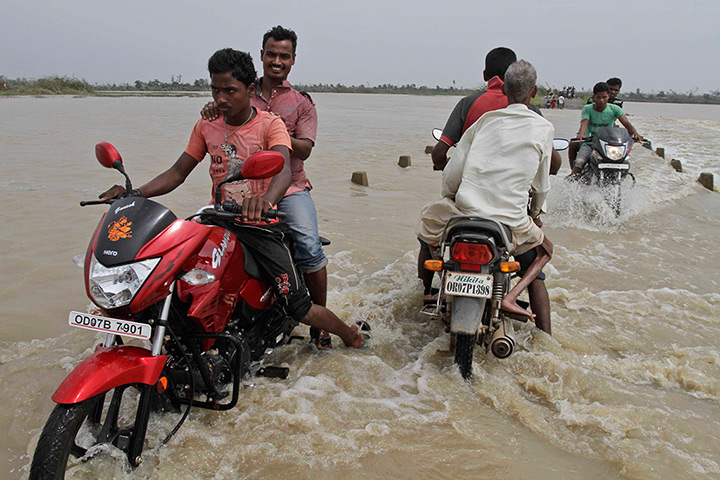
(472, 253)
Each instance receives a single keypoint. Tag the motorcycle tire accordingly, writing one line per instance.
(59, 438)
(464, 345)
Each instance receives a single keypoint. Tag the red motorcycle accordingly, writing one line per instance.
(189, 288)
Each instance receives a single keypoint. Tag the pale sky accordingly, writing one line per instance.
(651, 45)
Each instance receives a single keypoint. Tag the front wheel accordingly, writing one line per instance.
(73, 430)
(464, 345)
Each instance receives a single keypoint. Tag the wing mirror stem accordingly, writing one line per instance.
(117, 165)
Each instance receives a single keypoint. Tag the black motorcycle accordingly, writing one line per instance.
(608, 166)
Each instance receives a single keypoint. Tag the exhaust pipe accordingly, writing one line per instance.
(503, 343)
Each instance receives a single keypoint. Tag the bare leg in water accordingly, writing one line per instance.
(326, 320)
(316, 283)
(544, 254)
(425, 275)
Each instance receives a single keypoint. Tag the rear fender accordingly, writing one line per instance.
(467, 314)
(107, 368)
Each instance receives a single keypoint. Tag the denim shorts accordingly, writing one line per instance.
(302, 221)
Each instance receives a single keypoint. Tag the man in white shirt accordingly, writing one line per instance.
(503, 155)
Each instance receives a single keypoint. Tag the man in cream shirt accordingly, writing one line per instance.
(498, 159)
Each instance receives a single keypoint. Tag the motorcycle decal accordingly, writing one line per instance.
(219, 253)
(283, 284)
(119, 229)
(124, 207)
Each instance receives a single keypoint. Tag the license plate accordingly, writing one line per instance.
(613, 166)
(468, 284)
(114, 326)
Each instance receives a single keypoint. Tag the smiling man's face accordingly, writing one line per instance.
(278, 58)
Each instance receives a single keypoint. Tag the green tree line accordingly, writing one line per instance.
(57, 85)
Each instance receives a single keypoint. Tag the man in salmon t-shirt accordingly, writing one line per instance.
(273, 93)
(243, 131)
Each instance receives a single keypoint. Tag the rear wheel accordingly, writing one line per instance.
(72, 431)
(464, 345)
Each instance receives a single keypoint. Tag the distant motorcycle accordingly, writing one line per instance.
(608, 166)
(189, 288)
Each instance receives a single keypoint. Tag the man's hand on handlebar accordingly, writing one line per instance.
(254, 209)
(114, 192)
(210, 112)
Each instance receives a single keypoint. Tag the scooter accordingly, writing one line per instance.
(609, 165)
(189, 288)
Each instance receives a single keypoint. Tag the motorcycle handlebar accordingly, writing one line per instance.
(231, 206)
(97, 202)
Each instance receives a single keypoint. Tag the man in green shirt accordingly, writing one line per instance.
(598, 114)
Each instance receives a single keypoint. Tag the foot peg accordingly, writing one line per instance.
(274, 372)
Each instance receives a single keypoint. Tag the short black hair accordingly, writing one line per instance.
(614, 81)
(601, 87)
(497, 62)
(238, 64)
(280, 33)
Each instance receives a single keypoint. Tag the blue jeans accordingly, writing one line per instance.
(302, 221)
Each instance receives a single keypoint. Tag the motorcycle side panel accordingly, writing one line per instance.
(107, 368)
(466, 314)
(212, 304)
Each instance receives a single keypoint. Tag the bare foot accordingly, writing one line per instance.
(512, 307)
(357, 340)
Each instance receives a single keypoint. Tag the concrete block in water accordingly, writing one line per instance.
(429, 149)
(706, 180)
(660, 151)
(404, 161)
(676, 164)
(360, 178)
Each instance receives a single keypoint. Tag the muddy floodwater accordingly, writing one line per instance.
(628, 386)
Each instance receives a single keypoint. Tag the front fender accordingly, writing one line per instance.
(107, 368)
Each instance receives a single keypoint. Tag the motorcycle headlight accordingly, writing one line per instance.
(113, 287)
(614, 152)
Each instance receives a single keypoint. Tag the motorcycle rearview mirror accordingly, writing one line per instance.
(437, 133)
(560, 144)
(264, 164)
(108, 156)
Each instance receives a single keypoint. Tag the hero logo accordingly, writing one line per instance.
(218, 253)
(112, 253)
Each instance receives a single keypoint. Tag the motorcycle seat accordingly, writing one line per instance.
(475, 226)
